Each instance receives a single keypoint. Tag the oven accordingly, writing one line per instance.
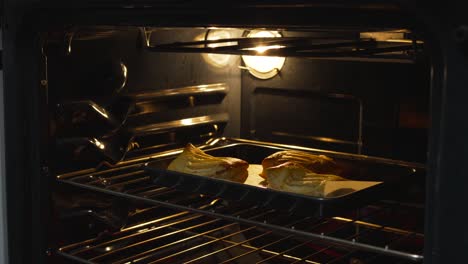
(100, 97)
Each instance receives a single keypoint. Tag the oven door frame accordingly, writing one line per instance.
(26, 171)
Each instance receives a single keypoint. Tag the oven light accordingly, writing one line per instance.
(218, 60)
(263, 67)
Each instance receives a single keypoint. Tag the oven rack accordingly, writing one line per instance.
(175, 236)
(132, 182)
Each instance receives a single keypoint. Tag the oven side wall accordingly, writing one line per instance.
(3, 214)
(26, 190)
(446, 231)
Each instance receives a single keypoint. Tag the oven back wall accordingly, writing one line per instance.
(83, 73)
(301, 106)
(298, 106)
(163, 103)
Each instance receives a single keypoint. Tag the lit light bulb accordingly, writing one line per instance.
(264, 67)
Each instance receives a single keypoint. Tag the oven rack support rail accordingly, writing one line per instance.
(132, 182)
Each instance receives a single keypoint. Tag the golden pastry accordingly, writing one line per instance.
(293, 177)
(315, 163)
(194, 161)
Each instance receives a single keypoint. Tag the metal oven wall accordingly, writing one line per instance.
(287, 108)
(284, 109)
(72, 76)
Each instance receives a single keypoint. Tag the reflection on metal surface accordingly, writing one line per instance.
(187, 122)
(69, 39)
(321, 151)
(125, 76)
(88, 119)
(217, 118)
(400, 36)
(383, 228)
(99, 109)
(322, 139)
(146, 36)
(284, 92)
(191, 101)
(97, 143)
(262, 49)
(217, 88)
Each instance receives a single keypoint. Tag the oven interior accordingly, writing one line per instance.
(121, 97)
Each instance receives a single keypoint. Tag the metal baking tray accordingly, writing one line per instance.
(384, 173)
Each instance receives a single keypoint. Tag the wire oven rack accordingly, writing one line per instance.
(204, 229)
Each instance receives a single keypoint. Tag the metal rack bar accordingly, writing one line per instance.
(92, 172)
(124, 230)
(269, 252)
(292, 248)
(392, 242)
(89, 248)
(202, 245)
(250, 239)
(147, 191)
(140, 256)
(229, 247)
(274, 253)
(257, 249)
(215, 214)
(127, 180)
(117, 185)
(121, 176)
(308, 241)
(214, 142)
(162, 236)
(349, 253)
(322, 250)
(221, 88)
(384, 228)
(299, 245)
(187, 122)
(324, 152)
(72, 257)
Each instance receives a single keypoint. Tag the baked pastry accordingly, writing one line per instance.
(194, 161)
(320, 164)
(293, 177)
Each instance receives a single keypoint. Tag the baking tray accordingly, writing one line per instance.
(385, 174)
